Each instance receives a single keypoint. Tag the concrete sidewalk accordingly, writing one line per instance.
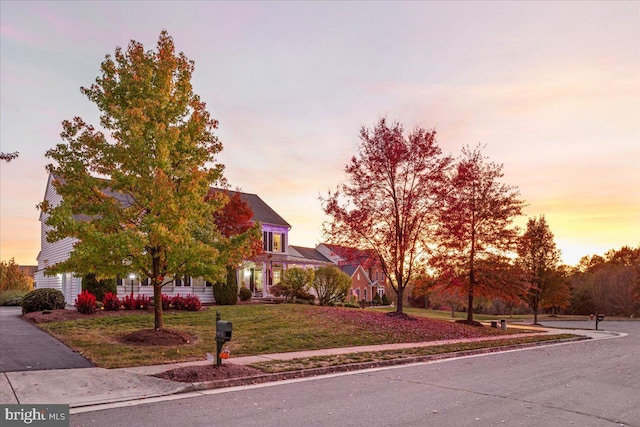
(94, 386)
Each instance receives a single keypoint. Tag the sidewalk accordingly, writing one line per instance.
(93, 386)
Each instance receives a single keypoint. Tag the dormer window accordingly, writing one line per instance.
(273, 242)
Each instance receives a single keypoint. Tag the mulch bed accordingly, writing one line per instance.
(162, 337)
(209, 373)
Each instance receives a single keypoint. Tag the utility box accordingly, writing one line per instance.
(503, 324)
(224, 329)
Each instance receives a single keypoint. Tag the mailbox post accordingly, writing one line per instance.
(599, 318)
(223, 334)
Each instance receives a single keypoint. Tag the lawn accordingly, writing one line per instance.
(257, 329)
(446, 315)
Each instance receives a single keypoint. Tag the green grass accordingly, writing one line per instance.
(257, 329)
(274, 366)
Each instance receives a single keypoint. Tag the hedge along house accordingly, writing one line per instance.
(258, 274)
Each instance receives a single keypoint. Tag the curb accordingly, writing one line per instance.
(305, 373)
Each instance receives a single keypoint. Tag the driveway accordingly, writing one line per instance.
(23, 347)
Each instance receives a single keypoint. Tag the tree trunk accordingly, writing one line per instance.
(400, 298)
(470, 307)
(535, 312)
(157, 302)
(156, 280)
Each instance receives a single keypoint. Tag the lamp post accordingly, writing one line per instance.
(132, 276)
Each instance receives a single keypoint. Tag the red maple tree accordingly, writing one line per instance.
(387, 207)
(476, 232)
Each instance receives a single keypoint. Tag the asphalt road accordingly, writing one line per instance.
(23, 347)
(588, 383)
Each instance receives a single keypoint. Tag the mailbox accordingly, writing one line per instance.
(223, 330)
(599, 318)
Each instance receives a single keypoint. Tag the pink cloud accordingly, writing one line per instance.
(17, 34)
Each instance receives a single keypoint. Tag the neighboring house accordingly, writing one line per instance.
(367, 277)
(258, 274)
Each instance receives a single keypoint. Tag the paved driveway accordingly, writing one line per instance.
(23, 347)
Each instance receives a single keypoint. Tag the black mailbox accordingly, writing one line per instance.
(600, 317)
(223, 330)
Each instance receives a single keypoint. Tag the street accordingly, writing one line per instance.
(588, 383)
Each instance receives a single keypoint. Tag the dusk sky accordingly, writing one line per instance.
(551, 88)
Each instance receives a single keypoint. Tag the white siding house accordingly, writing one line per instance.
(53, 253)
(257, 274)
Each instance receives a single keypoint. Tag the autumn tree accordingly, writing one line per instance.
(476, 231)
(609, 284)
(539, 260)
(134, 192)
(331, 285)
(395, 183)
(234, 221)
(12, 278)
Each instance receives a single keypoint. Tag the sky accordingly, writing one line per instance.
(551, 89)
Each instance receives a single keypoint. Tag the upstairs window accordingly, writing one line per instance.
(273, 242)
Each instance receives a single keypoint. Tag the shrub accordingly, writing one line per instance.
(142, 302)
(295, 283)
(129, 303)
(377, 300)
(245, 294)
(12, 297)
(43, 299)
(331, 285)
(166, 302)
(385, 300)
(98, 287)
(111, 302)
(86, 303)
(178, 302)
(227, 293)
(192, 303)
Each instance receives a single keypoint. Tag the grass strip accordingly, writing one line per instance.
(276, 366)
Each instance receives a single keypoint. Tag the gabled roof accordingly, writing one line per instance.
(349, 255)
(310, 253)
(263, 212)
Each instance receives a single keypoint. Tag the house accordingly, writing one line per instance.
(258, 273)
(367, 276)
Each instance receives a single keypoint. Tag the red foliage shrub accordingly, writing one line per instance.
(111, 302)
(178, 302)
(166, 302)
(142, 302)
(86, 303)
(129, 303)
(192, 303)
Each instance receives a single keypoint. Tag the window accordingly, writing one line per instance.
(182, 281)
(358, 293)
(273, 242)
(365, 295)
(277, 242)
